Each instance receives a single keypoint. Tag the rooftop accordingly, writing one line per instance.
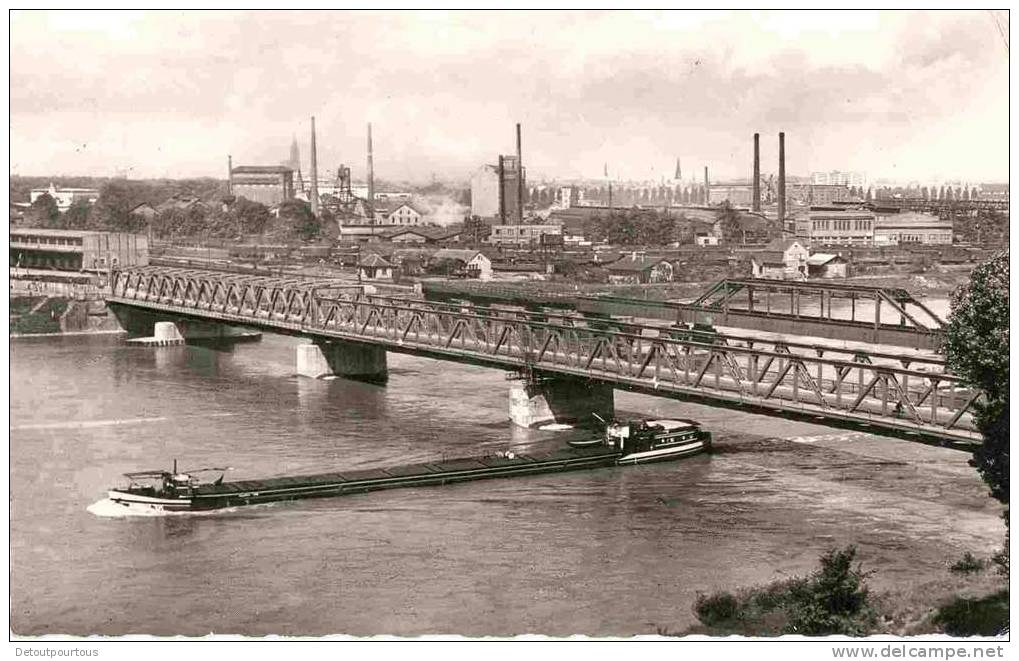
(631, 263)
(38, 231)
(769, 257)
(463, 254)
(261, 169)
(374, 260)
(65, 189)
(822, 258)
(433, 233)
(781, 245)
(912, 220)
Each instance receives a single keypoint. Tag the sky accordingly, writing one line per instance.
(901, 95)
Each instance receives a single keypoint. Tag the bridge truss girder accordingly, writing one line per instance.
(886, 398)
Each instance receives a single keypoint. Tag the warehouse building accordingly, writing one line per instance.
(74, 250)
(912, 228)
(268, 184)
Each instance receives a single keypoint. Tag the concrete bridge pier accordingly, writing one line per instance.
(155, 326)
(363, 362)
(544, 400)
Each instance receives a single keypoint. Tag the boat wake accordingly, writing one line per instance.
(108, 509)
(93, 424)
(555, 426)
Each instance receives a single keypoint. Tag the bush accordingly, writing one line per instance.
(717, 608)
(987, 616)
(967, 564)
(834, 601)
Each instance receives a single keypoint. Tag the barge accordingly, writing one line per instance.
(623, 444)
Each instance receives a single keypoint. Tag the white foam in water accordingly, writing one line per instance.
(555, 426)
(108, 509)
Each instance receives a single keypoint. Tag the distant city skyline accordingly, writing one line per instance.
(905, 96)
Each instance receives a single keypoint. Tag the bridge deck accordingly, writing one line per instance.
(833, 388)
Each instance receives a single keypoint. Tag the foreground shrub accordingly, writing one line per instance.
(831, 601)
(967, 564)
(986, 616)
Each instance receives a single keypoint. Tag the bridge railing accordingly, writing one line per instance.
(767, 379)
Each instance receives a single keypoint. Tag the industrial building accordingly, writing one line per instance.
(494, 190)
(826, 194)
(397, 213)
(912, 228)
(74, 250)
(839, 178)
(522, 235)
(268, 184)
(497, 191)
(836, 226)
(738, 195)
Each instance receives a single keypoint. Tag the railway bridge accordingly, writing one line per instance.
(564, 366)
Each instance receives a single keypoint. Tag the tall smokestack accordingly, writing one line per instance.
(371, 178)
(520, 181)
(229, 174)
(707, 190)
(781, 177)
(502, 190)
(314, 170)
(757, 173)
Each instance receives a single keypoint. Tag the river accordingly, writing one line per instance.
(617, 551)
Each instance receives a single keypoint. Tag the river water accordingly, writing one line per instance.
(616, 551)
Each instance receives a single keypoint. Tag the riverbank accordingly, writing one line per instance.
(48, 316)
(957, 603)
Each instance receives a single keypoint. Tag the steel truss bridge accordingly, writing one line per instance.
(887, 393)
(874, 315)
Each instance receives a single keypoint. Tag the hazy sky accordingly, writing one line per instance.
(909, 95)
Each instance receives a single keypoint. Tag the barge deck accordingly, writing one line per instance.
(624, 444)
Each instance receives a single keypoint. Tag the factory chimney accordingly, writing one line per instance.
(707, 190)
(229, 174)
(520, 181)
(314, 170)
(371, 179)
(756, 206)
(781, 178)
(502, 190)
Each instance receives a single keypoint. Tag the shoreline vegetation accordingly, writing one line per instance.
(970, 599)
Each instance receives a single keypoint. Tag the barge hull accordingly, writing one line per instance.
(231, 494)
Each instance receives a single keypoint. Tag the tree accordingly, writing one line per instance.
(252, 217)
(76, 216)
(834, 601)
(298, 220)
(113, 209)
(44, 212)
(976, 349)
(728, 218)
